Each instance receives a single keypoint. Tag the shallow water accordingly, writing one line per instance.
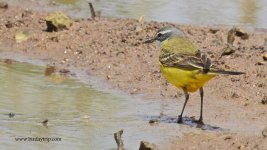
(211, 12)
(82, 117)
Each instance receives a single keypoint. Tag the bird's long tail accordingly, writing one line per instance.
(227, 72)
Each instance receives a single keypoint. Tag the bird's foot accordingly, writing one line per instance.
(200, 122)
(180, 120)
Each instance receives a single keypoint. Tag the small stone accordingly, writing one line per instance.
(45, 122)
(260, 85)
(234, 95)
(3, 5)
(246, 104)
(264, 100)
(57, 21)
(41, 20)
(228, 50)
(64, 71)
(264, 57)
(135, 90)
(108, 77)
(213, 31)
(241, 147)
(228, 138)
(54, 39)
(9, 24)
(147, 146)
(153, 121)
(242, 34)
(64, 60)
(78, 52)
(49, 70)
(11, 115)
(235, 31)
(26, 13)
(260, 63)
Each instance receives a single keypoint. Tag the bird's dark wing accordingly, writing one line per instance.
(198, 61)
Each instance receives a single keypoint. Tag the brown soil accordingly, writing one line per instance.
(113, 51)
(218, 141)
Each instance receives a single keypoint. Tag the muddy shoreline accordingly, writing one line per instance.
(112, 50)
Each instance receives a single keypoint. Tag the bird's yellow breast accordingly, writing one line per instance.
(189, 80)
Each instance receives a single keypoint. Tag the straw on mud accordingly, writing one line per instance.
(45, 122)
(117, 137)
(93, 15)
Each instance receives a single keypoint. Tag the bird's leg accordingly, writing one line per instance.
(180, 117)
(201, 92)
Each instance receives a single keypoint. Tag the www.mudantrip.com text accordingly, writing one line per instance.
(37, 139)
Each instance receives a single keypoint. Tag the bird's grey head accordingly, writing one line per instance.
(167, 32)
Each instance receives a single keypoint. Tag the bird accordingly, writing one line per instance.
(184, 65)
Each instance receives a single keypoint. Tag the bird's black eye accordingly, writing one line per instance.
(159, 35)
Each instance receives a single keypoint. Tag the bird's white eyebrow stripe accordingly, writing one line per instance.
(166, 31)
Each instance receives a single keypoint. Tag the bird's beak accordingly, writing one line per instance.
(150, 40)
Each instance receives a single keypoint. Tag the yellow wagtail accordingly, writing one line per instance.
(183, 65)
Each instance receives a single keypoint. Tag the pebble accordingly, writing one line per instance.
(3, 5)
(259, 63)
(147, 146)
(264, 100)
(228, 138)
(241, 147)
(153, 121)
(49, 70)
(213, 31)
(108, 77)
(64, 71)
(45, 122)
(264, 57)
(228, 50)
(11, 115)
(234, 95)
